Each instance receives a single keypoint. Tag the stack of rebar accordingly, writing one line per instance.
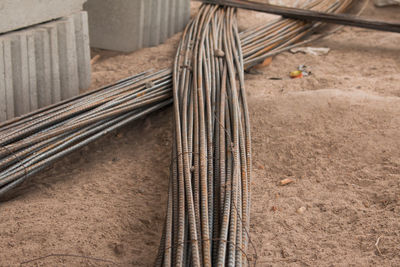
(208, 212)
(30, 143)
(208, 207)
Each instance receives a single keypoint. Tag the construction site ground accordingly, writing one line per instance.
(335, 133)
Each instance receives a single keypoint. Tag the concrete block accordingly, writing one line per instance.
(117, 24)
(185, 14)
(43, 67)
(20, 70)
(33, 93)
(127, 25)
(181, 16)
(172, 17)
(82, 49)
(68, 61)
(138, 33)
(44, 64)
(3, 102)
(164, 27)
(17, 14)
(8, 78)
(147, 22)
(52, 31)
(155, 27)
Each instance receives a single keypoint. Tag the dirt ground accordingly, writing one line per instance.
(336, 133)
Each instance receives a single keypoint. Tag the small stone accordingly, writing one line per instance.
(274, 209)
(301, 210)
(260, 166)
(286, 182)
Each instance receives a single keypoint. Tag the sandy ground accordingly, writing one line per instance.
(336, 133)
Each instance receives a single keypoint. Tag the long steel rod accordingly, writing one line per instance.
(308, 15)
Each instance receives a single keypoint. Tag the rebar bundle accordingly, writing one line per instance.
(208, 207)
(32, 142)
(208, 211)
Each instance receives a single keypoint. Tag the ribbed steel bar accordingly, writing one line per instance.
(309, 15)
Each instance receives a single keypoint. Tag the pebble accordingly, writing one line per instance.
(301, 210)
(286, 182)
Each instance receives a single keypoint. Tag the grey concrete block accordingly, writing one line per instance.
(147, 22)
(117, 24)
(82, 49)
(16, 14)
(20, 70)
(138, 33)
(8, 78)
(127, 25)
(33, 93)
(172, 17)
(3, 95)
(180, 17)
(155, 26)
(164, 27)
(44, 64)
(68, 61)
(184, 14)
(43, 67)
(52, 31)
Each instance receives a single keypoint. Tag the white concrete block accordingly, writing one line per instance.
(16, 14)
